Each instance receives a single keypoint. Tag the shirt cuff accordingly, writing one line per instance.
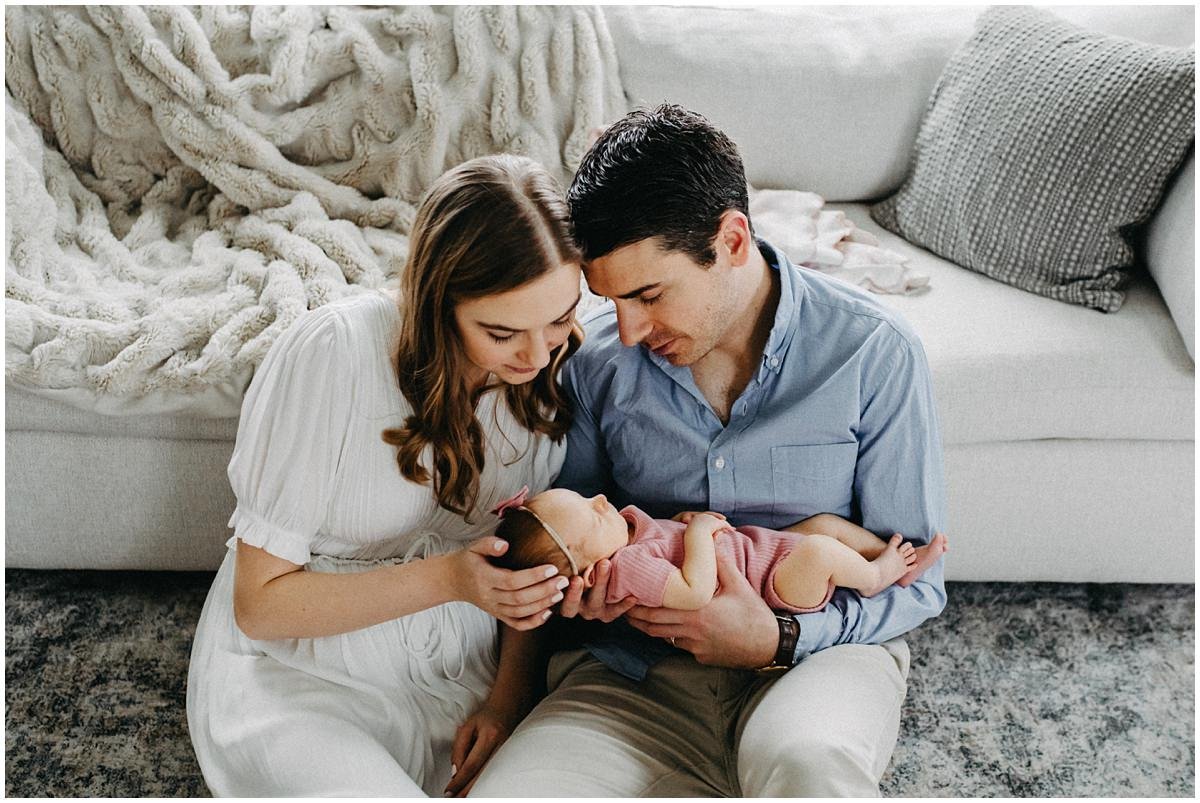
(815, 632)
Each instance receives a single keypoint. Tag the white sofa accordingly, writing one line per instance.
(1068, 433)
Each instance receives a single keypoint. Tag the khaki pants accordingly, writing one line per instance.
(826, 728)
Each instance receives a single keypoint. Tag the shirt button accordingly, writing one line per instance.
(720, 463)
(774, 362)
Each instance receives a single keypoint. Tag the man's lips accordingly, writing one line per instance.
(663, 348)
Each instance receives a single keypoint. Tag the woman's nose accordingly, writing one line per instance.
(537, 351)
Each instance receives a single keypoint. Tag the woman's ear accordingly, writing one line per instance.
(589, 576)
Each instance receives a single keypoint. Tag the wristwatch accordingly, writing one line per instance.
(789, 635)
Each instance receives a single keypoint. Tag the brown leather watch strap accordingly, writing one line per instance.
(785, 653)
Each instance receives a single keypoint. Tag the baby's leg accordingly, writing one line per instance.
(803, 577)
(926, 556)
(862, 541)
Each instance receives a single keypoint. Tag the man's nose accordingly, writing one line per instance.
(632, 325)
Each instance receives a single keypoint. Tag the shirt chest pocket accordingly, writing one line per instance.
(813, 479)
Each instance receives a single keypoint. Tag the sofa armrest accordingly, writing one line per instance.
(1171, 252)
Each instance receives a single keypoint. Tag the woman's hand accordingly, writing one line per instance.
(520, 599)
(474, 743)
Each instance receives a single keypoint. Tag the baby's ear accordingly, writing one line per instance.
(589, 576)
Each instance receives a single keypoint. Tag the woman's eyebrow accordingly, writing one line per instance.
(502, 328)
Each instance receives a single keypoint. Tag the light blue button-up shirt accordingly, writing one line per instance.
(839, 418)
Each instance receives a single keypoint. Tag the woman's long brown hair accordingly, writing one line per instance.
(485, 227)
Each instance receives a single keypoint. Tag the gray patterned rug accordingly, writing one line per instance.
(1016, 690)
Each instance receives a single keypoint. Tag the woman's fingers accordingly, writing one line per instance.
(483, 746)
(529, 608)
(525, 596)
(528, 623)
(512, 581)
(458, 754)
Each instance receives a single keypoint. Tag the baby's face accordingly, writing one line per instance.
(592, 528)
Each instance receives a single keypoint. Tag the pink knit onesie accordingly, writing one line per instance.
(655, 549)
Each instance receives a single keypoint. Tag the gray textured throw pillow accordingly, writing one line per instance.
(1042, 145)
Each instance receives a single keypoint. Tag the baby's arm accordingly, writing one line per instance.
(693, 586)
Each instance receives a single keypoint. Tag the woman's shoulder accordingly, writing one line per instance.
(360, 309)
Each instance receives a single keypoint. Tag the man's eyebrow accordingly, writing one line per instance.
(639, 291)
(574, 304)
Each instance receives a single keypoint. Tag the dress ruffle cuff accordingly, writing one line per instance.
(257, 531)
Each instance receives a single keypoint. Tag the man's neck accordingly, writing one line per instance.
(746, 338)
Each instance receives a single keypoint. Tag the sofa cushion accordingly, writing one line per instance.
(29, 411)
(1009, 365)
(823, 99)
(1042, 146)
(1171, 252)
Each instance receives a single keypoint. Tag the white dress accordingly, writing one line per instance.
(374, 711)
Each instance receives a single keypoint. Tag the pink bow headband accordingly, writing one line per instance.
(517, 502)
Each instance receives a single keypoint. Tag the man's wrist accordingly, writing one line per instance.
(785, 652)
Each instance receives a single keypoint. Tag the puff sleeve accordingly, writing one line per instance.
(294, 423)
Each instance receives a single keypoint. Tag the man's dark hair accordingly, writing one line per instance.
(663, 172)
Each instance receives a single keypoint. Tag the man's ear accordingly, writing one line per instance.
(589, 576)
(734, 236)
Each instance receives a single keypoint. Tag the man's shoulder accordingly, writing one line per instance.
(845, 307)
(602, 341)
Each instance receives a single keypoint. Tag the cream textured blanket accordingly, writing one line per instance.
(182, 183)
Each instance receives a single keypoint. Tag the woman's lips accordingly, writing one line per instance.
(522, 371)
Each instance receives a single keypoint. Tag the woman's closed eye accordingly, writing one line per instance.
(561, 323)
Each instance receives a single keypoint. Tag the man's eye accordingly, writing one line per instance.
(648, 300)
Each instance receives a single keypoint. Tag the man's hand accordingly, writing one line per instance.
(592, 605)
(735, 630)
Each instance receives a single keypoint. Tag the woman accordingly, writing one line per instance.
(348, 646)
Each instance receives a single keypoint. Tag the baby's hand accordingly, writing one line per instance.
(686, 516)
(708, 522)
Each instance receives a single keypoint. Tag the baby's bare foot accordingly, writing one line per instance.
(926, 556)
(891, 564)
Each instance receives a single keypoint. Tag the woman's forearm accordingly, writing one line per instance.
(300, 604)
(521, 674)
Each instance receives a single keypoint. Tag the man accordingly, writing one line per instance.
(724, 378)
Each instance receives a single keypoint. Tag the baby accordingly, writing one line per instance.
(673, 563)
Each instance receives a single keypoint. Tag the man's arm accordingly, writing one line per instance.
(587, 470)
(899, 486)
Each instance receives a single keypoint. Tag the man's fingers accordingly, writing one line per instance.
(655, 616)
(728, 573)
(572, 598)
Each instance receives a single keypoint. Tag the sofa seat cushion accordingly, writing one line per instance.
(1010, 365)
(31, 412)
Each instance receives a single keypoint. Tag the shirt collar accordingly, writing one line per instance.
(791, 291)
